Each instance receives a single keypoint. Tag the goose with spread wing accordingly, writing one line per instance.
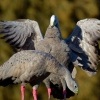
(56, 46)
(83, 44)
(84, 50)
(10, 30)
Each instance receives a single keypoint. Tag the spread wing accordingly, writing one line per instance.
(21, 33)
(83, 43)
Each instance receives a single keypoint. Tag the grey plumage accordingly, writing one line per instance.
(55, 33)
(56, 46)
(58, 86)
(84, 46)
(83, 50)
(22, 34)
(33, 67)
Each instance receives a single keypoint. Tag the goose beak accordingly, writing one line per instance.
(76, 92)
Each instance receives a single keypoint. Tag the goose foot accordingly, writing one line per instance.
(34, 92)
(22, 92)
(64, 93)
(49, 93)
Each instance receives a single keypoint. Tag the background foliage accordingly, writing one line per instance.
(68, 12)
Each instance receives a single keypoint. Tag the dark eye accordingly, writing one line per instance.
(75, 86)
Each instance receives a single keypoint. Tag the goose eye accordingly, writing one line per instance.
(75, 86)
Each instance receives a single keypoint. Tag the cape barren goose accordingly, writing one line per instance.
(83, 44)
(33, 67)
(56, 46)
(84, 50)
(22, 39)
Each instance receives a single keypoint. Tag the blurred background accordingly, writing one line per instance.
(68, 12)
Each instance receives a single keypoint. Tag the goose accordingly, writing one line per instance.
(32, 66)
(84, 50)
(57, 47)
(38, 45)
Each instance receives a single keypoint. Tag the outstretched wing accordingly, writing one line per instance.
(20, 33)
(83, 43)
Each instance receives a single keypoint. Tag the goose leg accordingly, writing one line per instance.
(34, 92)
(49, 93)
(64, 93)
(64, 88)
(22, 92)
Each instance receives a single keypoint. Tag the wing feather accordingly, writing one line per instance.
(17, 33)
(83, 43)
